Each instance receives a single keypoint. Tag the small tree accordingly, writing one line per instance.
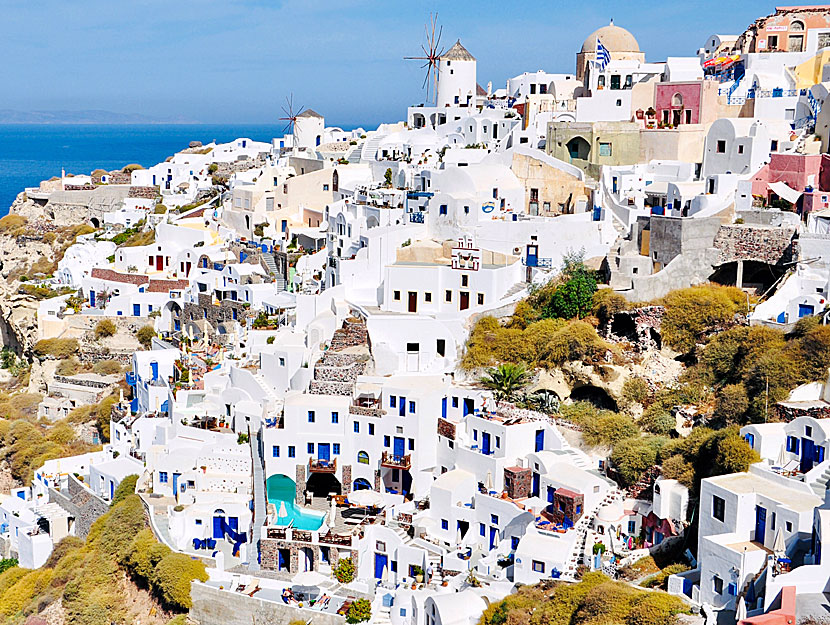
(344, 570)
(506, 380)
(145, 336)
(387, 177)
(105, 328)
(359, 611)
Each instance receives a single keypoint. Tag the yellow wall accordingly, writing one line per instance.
(809, 72)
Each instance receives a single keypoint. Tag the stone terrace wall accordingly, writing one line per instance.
(81, 503)
(212, 606)
(760, 243)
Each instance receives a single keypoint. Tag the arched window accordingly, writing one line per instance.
(677, 100)
(335, 181)
(797, 26)
(362, 457)
(601, 80)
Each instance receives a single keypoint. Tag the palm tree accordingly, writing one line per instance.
(506, 380)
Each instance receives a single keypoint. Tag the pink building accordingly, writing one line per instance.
(799, 172)
(692, 102)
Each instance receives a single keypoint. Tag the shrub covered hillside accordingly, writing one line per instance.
(595, 600)
(91, 579)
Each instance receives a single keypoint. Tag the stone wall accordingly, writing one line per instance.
(81, 503)
(149, 193)
(212, 606)
(788, 412)
(760, 243)
(446, 429)
(269, 549)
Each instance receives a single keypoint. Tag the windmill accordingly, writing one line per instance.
(291, 116)
(432, 53)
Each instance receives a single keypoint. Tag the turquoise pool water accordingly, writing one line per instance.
(279, 489)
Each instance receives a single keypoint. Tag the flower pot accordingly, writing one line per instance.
(419, 578)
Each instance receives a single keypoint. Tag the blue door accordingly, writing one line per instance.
(535, 484)
(444, 408)
(176, 477)
(760, 524)
(402, 406)
(112, 489)
(805, 310)
(469, 406)
(808, 452)
(494, 537)
(485, 443)
(323, 451)
(540, 440)
(399, 448)
(233, 523)
(136, 310)
(532, 256)
(281, 563)
(217, 527)
(92, 299)
(381, 561)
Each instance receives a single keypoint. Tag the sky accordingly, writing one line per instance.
(235, 61)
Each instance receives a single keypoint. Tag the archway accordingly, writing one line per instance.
(579, 148)
(361, 484)
(595, 395)
(96, 223)
(321, 484)
(218, 522)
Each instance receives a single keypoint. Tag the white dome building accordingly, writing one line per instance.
(620, 43)
(456, 78)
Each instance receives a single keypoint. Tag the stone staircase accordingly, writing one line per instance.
(370, 148)
(516, 288)
(382, 616)
(583, 527)
(820, 484)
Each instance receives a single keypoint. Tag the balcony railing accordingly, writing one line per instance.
(396, 462)
(316, 465)
(336, 539)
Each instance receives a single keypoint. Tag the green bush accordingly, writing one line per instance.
(57, 348)
(105, 328)
(607, 303)
(67, 367)
(691, 313)
(360, 610)
(344, 570)
(633, 456)
(172, 577)
(112, 533)
(608, 428)
(658, 421)
(145, 336)
(732, 404)
(7, 563)
(634, 391)
(124, 490)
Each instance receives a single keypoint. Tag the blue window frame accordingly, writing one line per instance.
(442, 210)
(393, 401)
(792, 444)
(481, 529)
(292, 452)
(403, 612)
(371, 429)
(163, 477)
(310, 448)
(750, 439)
(494, 519)
(357, 427)
(412, 407)
(386, 441)
(514, 542)
(335, 418)
(335, 449)
(275, 451)
(475, 435)
(579, 509)
(445, 525)
(311, 416)
(632, 527)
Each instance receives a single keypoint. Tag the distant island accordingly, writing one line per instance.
(10, 116)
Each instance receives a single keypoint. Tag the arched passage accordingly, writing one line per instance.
(361, 484)
(321, 484)
(595, 395)
(579, 148)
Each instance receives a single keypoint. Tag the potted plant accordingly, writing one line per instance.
(419, 573)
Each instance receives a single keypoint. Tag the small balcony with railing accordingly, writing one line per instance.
(321, 465)
(393, 461)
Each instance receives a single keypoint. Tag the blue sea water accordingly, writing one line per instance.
(31, 153)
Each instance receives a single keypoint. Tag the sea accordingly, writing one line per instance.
(31, 153)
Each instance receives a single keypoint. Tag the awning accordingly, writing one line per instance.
(784, 191)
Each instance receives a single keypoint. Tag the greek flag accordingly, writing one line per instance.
(603, 56)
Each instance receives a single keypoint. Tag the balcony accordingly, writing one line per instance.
(367, 407)
(322, 466)
(392, 461)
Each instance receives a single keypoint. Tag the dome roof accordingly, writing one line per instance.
(614, 38)
(611, 512)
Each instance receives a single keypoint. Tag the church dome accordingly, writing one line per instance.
(614, 38)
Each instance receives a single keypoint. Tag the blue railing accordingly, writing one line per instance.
(546, 263)
(416, 218)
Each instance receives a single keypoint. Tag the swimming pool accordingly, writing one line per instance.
(282, 489)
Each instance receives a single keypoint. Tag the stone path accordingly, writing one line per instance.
(259, 503)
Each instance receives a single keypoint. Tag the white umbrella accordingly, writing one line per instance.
(779, 547)
(366, 497)
(332, 512)
(488, 482)
(740, 613)
(782, 457)
(384, 577)
(308, 578)
(283, 512)
(458, 537)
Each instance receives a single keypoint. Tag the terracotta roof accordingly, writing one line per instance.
(480, 90)
(164, 286)
(114, 276)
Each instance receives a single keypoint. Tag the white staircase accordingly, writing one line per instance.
(582, 528)
(370, 148)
